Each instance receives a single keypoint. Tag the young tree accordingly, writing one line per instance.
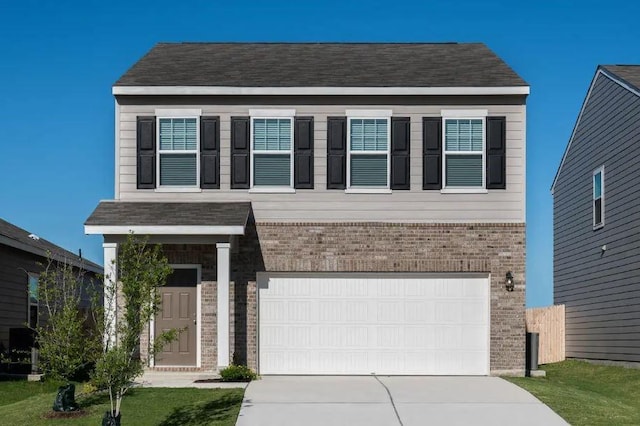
(141, 270)
(67, 344)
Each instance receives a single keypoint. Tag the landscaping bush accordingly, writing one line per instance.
(237, 373)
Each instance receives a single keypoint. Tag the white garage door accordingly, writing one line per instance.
(382, 325)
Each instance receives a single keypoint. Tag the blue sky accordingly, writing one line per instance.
(59, 59)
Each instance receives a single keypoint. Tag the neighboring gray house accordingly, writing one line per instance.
(596, 209)
(329, 208)
(21, 256)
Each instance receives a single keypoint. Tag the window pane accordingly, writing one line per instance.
(597, 185)
(369, 135)
(272, 134)
(463, 135)
(178, 170)
(33, 316)
(369, 170)
(464, 170)
(597, 211)
(178, 134)
(271, 170)
(33, 289)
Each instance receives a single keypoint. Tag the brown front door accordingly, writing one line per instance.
(178, 311)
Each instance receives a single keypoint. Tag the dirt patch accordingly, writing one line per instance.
(221, 381)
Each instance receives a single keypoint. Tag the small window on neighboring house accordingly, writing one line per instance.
(598, 197)
(33, 301)
(178, 152)
(369, 158)
(272, 148)
(464, 153)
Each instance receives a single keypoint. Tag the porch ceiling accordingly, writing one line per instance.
(168, 218)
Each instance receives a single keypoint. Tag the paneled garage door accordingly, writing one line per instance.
(384, 325)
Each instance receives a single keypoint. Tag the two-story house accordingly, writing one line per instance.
(595, 221)
(329, 208)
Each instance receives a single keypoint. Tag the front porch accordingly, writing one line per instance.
(199, 296)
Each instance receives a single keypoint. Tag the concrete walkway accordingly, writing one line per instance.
(388, 401)
(162, 379)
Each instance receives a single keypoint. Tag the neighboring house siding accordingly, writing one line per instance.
(320, 204)
(601, 290)
(14, 265)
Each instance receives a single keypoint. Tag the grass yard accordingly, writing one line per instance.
(16, 390)
(142, 406)
(588, 394)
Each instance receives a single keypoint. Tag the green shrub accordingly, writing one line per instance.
(237, 373)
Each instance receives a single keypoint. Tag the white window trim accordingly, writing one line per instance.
(273, 115)
(464, 115)
(364, 116)
(169, 114)
(178, 113)
(593, 199)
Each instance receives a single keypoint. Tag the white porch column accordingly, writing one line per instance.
(223, 303)
(110, 295)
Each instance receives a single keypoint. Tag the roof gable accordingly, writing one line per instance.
(611, 72)
(321, 65)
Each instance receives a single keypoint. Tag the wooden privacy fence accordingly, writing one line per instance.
(549, 323)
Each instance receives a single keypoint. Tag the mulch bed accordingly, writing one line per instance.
(65, 414)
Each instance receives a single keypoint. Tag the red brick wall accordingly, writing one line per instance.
(372, 247)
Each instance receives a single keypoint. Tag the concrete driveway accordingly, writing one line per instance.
(388, 401)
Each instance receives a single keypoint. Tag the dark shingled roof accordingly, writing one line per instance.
(120, 213)
(321, 65)
(628, 73)
(19, 238)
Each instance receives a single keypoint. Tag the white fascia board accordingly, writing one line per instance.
(338, 91)
(163, 230)
(611, 77)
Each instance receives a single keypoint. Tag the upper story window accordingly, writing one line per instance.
(32, 310)
(464, 143)
(178, 151)
(598, 197)
(272, 152)
(368, 154)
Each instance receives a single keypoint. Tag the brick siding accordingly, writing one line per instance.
(365, 247)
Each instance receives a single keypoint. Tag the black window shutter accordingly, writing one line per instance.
(496, 153)
(240, 151)
(431, 153)
(210, 152)
(303, 153)
(146, 152)
(336, 152)
(400, 152)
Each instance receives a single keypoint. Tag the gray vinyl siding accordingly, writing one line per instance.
(601, 290)
(14, 265)
(321, 204)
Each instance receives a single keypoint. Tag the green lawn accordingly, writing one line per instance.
(148, 406)
(17, 390)
(588, 394)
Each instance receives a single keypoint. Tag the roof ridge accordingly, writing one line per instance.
(173, 43)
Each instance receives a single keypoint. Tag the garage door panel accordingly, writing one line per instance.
(347, 325)
(391, 312)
